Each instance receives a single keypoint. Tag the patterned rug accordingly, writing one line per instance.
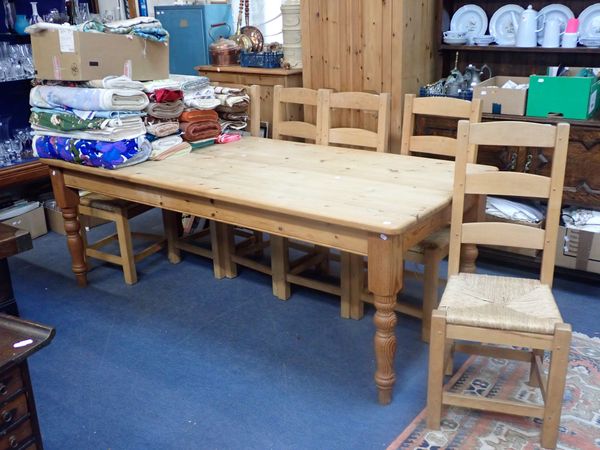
(499, 378)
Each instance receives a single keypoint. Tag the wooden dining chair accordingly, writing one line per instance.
(203, 241)
(434, 249)
(478, 313)
(351, 266)
(120, 212)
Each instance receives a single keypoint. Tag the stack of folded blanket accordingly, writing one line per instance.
(162, 121)
(199, 125)
(98, 126)
(233, 108)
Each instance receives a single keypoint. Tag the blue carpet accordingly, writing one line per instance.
(183, 361)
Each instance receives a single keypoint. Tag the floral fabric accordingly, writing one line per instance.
(109, 155)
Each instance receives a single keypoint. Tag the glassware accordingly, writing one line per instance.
(5, 127)
(35, 17)
(10, 15)
(83, 13)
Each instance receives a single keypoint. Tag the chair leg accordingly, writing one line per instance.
(352, 283)
(430, 290)
(280, 266)
(533, 379)
(259, 237)
(83, 234)
(172, 226)
(437, 347)
(557, 375)
(449, 357)
(126, 249)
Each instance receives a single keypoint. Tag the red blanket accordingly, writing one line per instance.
(194, 131)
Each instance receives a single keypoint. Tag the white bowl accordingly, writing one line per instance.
(457, 41)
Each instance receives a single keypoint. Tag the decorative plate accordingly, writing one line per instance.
(471, 19)
(501, 24)
(555, 11)
(589, 22)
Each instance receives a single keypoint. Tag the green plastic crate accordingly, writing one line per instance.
(569, 97)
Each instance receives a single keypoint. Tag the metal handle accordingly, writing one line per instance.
(512, 165)
(218, 25)
(13, 442)
(3, 389)
(7, 416)
(528, 162)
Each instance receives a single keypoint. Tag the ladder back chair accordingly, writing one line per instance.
(204, 241)
(490, 311)
(120, 212)
(351, 266)
(434, 249)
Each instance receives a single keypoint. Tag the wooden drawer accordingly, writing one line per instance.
(20, 436)
(12, 411)
(10, 382)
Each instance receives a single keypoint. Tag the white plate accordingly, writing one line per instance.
(471, 19)
(589, 21)
(501, 24)
(556, 11)
(455, 41)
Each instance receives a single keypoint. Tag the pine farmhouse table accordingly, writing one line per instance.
(365, 203)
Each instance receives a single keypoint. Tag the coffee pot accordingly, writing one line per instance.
(526, 27)
(472, 75)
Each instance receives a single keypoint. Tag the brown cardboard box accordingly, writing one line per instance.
(578, 249)
(495, 100)
(32, 221)
(78, 56)
(56, 222)
(518, 250)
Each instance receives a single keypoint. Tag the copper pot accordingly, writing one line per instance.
(224, 52)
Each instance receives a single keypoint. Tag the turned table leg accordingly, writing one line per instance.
(68, 201)
(385, 280)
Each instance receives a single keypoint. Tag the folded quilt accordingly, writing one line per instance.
(190, 83)
(238, 108)
(151, 86)
(200, 103)
(85, 115)
(114, 82)
(194, 131)
(231, 96)
(196, 115)
(180, 149)
(120, 129)
(109, 155)
(202, 143)
(87, 99)
(167, 110)
(166, 95)
(161, 129)
(145, 27)
(65, 121)
(165, 143)
(232, 125)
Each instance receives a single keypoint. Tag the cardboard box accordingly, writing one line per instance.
(78, 56)
(532, 252)
(495, 100)
(56, 222)
(569, 96)
(33, 221)
(578, 249)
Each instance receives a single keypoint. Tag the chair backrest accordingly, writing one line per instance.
(452, 108)
(294, 128)
(517, 184)
(254, 111)
(358, 137)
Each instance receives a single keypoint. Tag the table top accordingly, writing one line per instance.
(370, 191)
(20, 338)
(248, 70)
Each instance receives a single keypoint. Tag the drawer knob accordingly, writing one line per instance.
(13, 442)
(7, 416)
(3, 389)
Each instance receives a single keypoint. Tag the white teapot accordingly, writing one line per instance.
(527, 27)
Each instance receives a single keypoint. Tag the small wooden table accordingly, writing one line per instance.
(12, 241)
(265, 78)
(366, 203)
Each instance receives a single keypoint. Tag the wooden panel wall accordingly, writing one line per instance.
(372, 46)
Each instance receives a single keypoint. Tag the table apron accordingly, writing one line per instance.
(308, 230)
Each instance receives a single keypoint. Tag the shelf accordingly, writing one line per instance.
(498, 48)
(592, 123)
(15, 38)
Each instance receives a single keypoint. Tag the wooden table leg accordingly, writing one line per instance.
(173, 231)
(223, 246)
(385, 280)
(68, 201)
(469, 252)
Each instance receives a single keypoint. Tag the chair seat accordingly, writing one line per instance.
(506, 303)
(110, 204)
(439, 239)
